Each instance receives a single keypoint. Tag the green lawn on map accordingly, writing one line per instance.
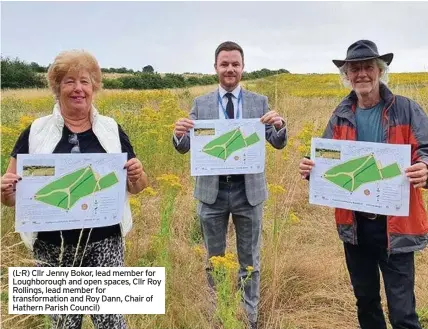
(223, 146)
(67, 190)
(352, 174)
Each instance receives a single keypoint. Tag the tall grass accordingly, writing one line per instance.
(304, 282)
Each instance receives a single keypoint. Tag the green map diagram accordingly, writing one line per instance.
(351, 174)
(223, 146)
(67, 190)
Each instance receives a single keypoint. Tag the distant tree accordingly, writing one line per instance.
(148, 69)
(122, 70)
(37, 68)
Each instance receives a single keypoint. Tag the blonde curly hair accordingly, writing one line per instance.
(73, 61)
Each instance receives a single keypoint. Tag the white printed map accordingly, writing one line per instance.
(69, 191)
(227, 147)
(360, 176)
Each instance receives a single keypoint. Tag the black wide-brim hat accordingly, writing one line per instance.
(363, 50)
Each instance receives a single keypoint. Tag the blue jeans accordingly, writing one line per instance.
(247, 219)
(398, 270)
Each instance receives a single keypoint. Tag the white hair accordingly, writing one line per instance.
(384, 68)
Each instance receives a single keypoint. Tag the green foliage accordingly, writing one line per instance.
(228, 295)
(423, 316)
(171, 80)
(195, 235)
(18, 74)
(112, 84)
(148, 69)
(116, 70)
(263, 73)
(4, 296)
(37, 68)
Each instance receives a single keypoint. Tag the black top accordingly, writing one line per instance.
(88, 143)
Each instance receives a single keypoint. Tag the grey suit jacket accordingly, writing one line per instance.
(205, 107)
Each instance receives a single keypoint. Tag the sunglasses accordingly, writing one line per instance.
(72, 139)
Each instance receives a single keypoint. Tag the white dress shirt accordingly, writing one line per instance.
(237, 107)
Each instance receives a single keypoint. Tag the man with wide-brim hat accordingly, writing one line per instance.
(371, 112)
(363, 50)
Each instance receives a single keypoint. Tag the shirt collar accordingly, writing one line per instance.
(235, 92)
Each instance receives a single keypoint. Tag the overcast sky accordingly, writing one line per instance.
(302, 37)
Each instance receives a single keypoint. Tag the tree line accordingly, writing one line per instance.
(16, 73)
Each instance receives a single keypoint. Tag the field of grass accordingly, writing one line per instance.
(304, 282)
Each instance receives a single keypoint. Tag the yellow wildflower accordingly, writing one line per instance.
(293, 219)
(304, 149)
(276, 189)
(227, 262)
(25, 121)
(149, 191)
(7, 131)
(169, 180)
(198, 250)
(134, 202)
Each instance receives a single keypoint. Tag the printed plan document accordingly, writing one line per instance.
(360, 176)
(227, 147)
(69, 191)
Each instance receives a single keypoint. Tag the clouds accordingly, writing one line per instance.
(302, 37)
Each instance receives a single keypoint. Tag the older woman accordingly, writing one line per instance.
(75, 126)
(372, 113)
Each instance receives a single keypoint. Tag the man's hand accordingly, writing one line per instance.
(418, 174)
(182, 126)
(273, 118)
(305, 167)
(134, 169)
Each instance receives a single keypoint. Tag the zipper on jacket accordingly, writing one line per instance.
(354, 220)
(386, 119)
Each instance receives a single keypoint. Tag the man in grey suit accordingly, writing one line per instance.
(241, 196)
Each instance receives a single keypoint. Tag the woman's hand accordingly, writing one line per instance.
(8, 188)
(134, 169)
(137, 178)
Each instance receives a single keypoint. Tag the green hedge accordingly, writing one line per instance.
(18, 74)
(169, 80)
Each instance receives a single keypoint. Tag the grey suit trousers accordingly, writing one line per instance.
(247, 220)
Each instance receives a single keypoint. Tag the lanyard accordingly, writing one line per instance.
(224, 110)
